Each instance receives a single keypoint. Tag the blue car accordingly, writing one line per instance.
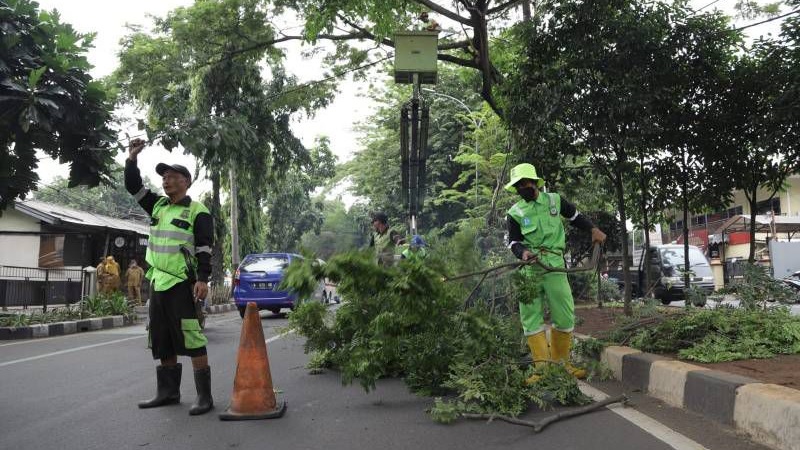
(258, 277)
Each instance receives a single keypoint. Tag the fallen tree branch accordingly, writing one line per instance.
(540, 425)
(502, 268)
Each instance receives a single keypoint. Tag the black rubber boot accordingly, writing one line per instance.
(168, 379)
(202, 381)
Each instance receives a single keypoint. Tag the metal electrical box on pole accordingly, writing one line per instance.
(415, 52)
(415, 62)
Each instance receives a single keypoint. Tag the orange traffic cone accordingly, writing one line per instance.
(253, 396)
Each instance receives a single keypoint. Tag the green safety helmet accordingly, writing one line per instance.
(522, 171)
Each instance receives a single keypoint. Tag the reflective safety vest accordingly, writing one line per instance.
(418, 255)
(540, 223)
(384, 247)
(170, 249)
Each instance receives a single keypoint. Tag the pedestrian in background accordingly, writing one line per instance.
(99, 274)
(179, 256)
(112, 273)
(384, 240)
(133, 279)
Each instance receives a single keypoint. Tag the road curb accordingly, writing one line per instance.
(84, 325)
(62, 328)
(768, 413)
(218, 309)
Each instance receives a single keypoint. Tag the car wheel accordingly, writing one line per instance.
(241, 312)
(666, 301)
(275, 310)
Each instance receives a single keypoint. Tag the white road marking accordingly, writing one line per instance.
(86, 347)
(275, 338)
(69, 350)
(648, 424)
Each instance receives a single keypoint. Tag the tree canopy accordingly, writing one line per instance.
(49, 101)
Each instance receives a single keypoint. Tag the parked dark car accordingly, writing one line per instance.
(257, 280)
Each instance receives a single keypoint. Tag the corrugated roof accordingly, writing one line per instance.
(764, 224)
(54, 214)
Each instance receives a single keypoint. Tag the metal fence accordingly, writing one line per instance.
(39, 287)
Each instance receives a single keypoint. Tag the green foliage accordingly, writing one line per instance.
(111, 200)
(113, 304)
(60, 314)
(723, 334)
(205, 88)
(14, 320)
(557, 387)
(95, 306)
(586, 354)
(406, 321)
(375, 170)
(696, 297)
(341, 230)
(49, 101)
(758, 287)
(625, 87)
(444, 412)
(291, 211)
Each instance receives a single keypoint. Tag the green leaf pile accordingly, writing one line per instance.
(406, 321)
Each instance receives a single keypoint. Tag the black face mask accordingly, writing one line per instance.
(527, 193)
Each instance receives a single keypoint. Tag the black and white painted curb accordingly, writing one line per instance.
(768, 413)
(62, 328)
(93, 324)
(218, 309)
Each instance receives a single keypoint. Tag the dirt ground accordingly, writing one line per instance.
(782, 369)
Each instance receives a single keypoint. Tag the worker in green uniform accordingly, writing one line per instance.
(416, 250)
(384, 240)
(536, 231)
(179, 256)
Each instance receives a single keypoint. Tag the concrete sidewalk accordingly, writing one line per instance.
(768, 413)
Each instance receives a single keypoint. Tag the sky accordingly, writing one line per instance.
(108, 19)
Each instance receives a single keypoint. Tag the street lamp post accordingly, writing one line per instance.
(476, 123)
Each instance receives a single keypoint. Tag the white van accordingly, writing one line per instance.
(666, 271)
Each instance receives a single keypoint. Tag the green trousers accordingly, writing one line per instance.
(550, 287)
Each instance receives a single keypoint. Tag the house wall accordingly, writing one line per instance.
(19, 250)
(790, 199)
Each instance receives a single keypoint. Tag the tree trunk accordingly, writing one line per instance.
(753, 200)
(645, 226)
(526, 10)
(626, 268)
(217, 257)
(686, 265)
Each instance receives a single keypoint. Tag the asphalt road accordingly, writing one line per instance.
(80, 392)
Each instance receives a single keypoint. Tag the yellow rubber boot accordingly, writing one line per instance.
(540, 353)
(562, 343)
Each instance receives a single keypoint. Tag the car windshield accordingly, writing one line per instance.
(264, 264)
(697, 261)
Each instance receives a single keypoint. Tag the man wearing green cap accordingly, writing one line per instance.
(536, 232)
